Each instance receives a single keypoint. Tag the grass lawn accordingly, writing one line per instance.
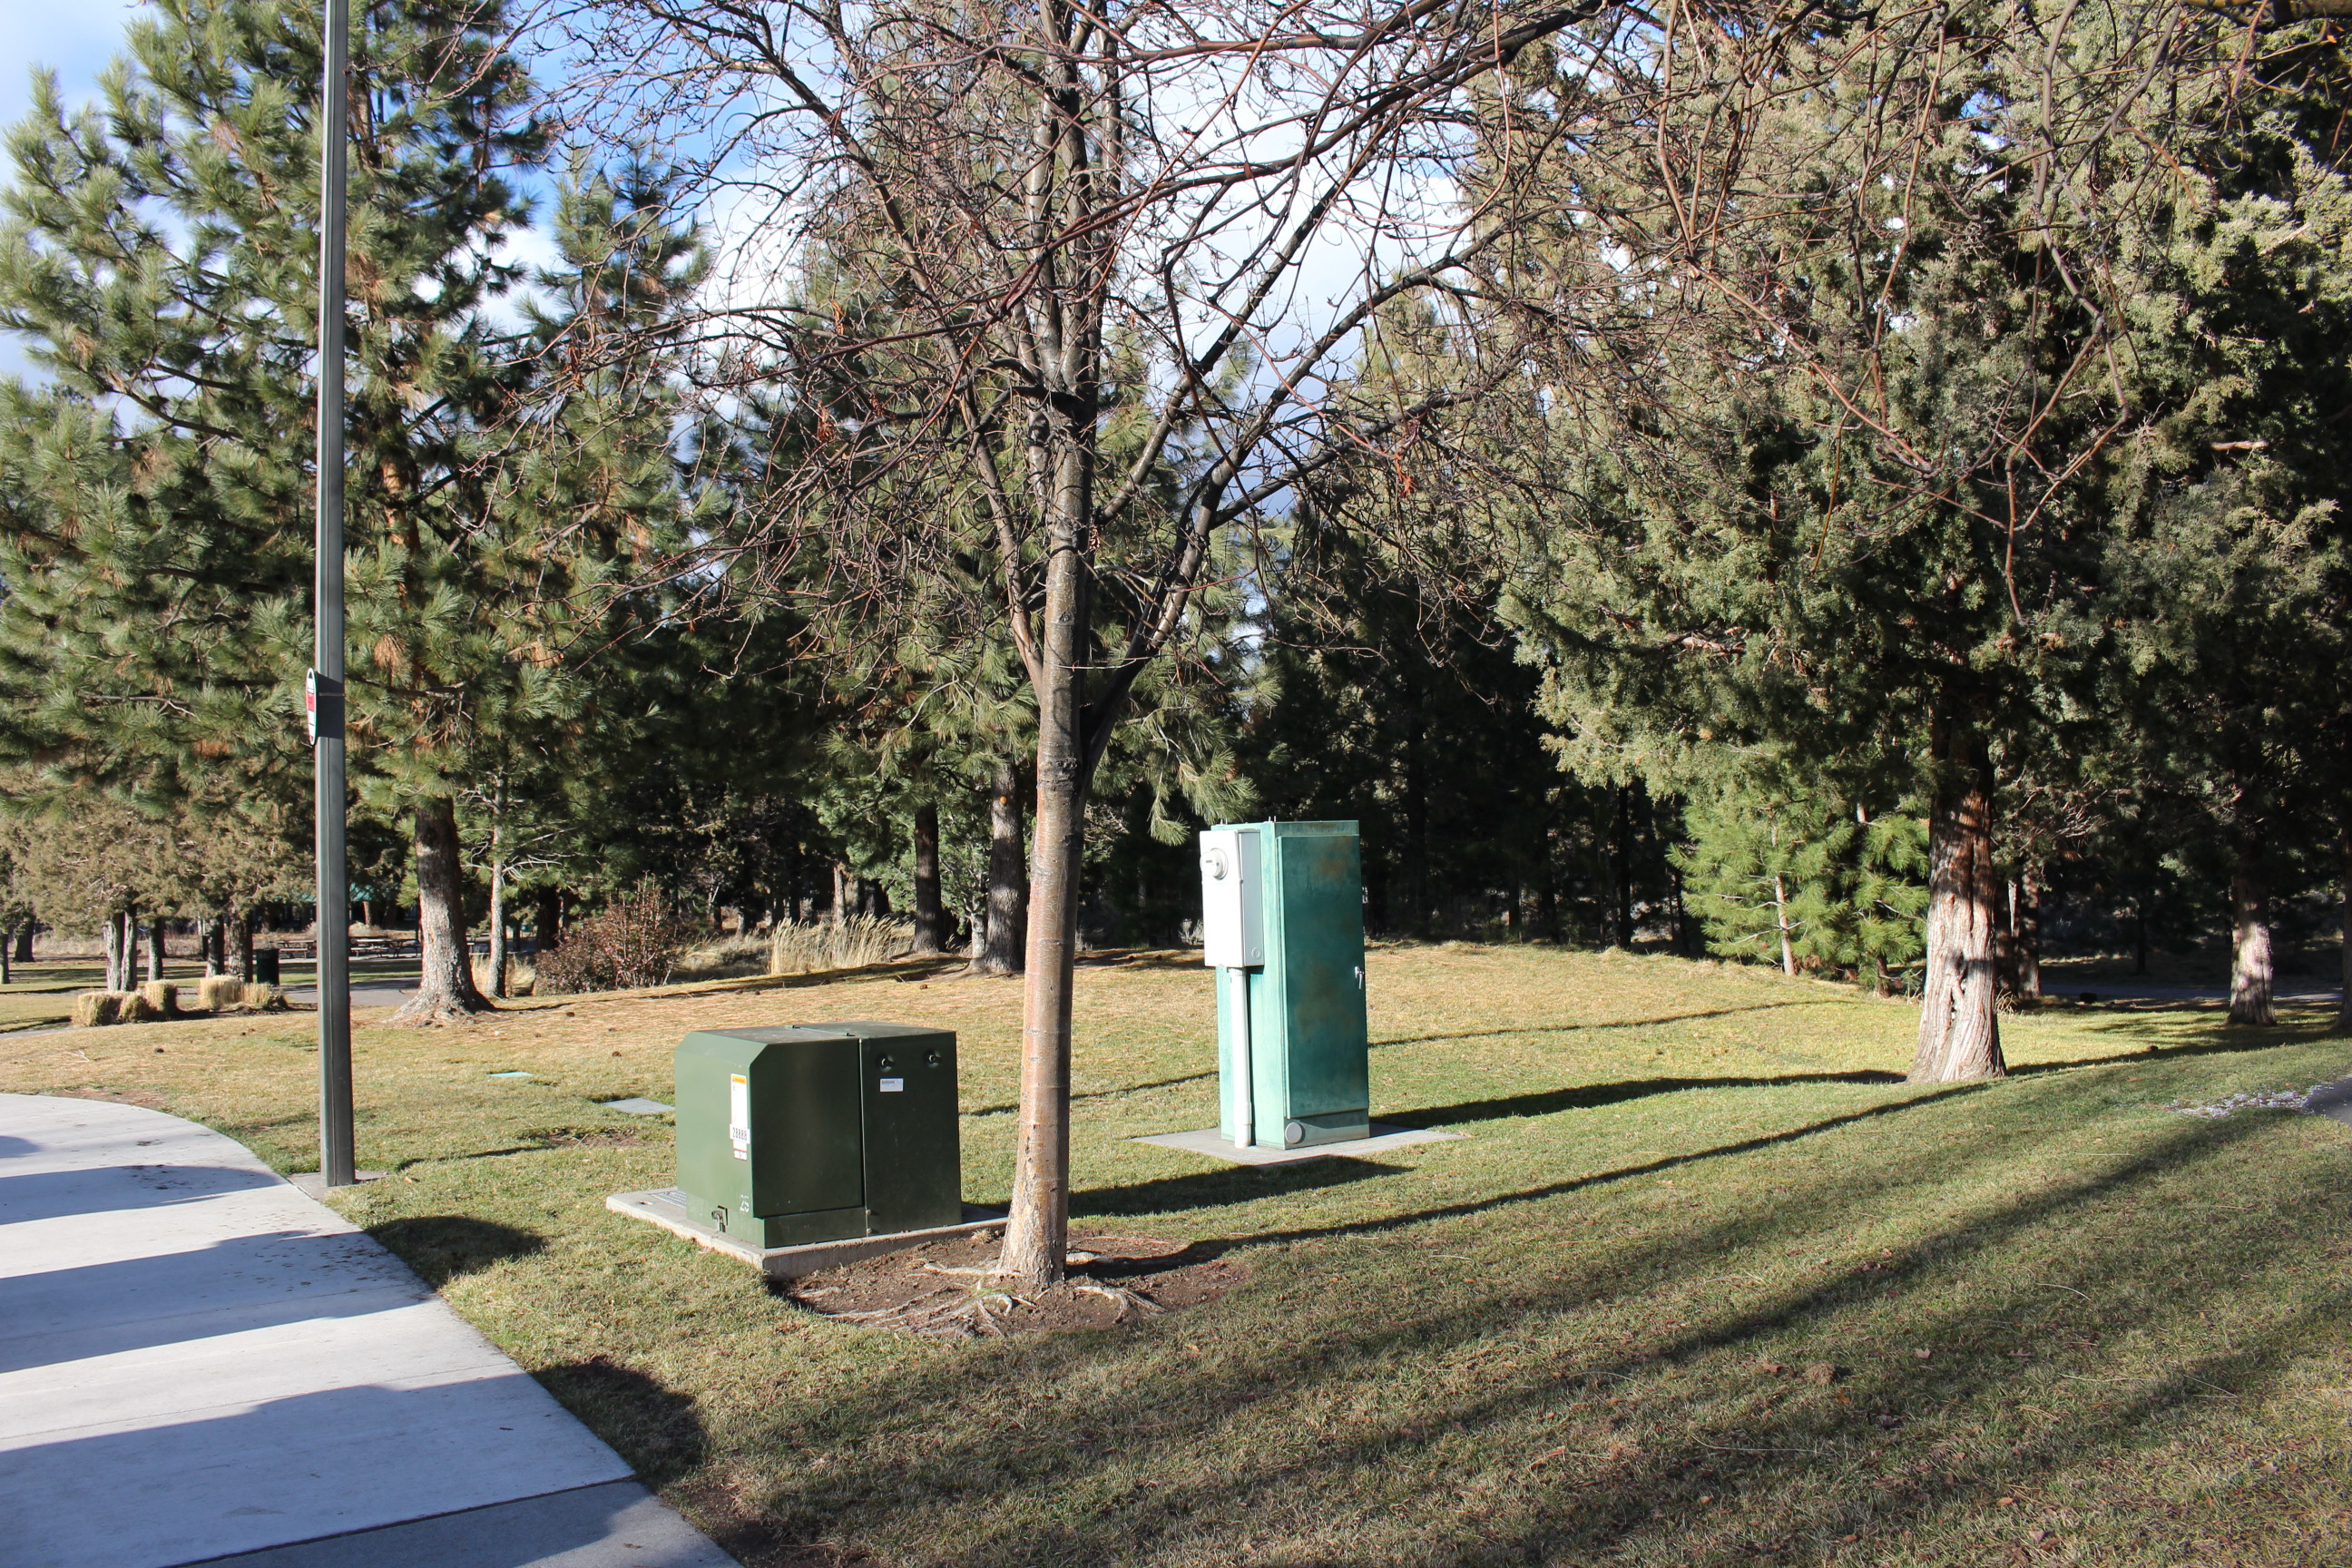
(2071, 1326)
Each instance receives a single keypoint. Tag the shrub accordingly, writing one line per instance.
(634, 941)
(162, 995)
(215, 992)
(134, 1008)
(860, 939)
(268, 998)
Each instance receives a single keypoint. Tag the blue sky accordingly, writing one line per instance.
(75, 38)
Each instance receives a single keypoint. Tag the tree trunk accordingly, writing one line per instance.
(2004, 941)
(1620, 855)
(445, 987)
(498, 958)
(155, 949)
(1960, 1018)
(2250, 973)
(25, 942)
(1546, 882)
(2139, 935)
(130, 950)
(1006, 942)
(930, 920)
(1780, 917)
(2028, 935)
(544, 920)
(1036, 1241)
(1417, 921)
(2342, 931)
(240, 943)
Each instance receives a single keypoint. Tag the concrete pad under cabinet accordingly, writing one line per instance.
(666, 1206)
(1211, 1142)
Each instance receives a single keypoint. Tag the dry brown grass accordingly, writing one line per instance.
(1573, 1336)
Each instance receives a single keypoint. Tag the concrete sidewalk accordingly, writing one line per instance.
(200, 1364)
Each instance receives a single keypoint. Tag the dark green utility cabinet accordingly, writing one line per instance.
(817, 1131)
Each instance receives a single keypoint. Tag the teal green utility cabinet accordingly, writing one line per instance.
(1283, 924)
(818, 1132)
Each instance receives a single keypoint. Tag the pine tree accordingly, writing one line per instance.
(159, 258)
(1792, 878)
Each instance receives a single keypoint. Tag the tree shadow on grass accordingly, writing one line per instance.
(657, 1428)
(1724, 1458)
(1585, 1096)
(1226, 1186)
(2213, 1040)
(1248, 1184)
(1595, 1094)
(444, 1247)
(1600, 1028)
(1596, 1179)
(1008, 1107)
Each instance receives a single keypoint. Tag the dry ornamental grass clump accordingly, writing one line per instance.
(854, 944)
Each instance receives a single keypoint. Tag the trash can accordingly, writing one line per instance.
(819, 1131)
(265, 967)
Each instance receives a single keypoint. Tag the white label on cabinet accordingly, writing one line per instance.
(739, 1114)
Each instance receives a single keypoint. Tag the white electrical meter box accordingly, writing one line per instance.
(1232, 924)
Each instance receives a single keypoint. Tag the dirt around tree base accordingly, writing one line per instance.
(944, 1290)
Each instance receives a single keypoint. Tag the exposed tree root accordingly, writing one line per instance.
(1127, 1300)
(422, 1011)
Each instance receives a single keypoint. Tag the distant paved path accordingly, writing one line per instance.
(200, 1364)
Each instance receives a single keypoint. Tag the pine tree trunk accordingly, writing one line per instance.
(114, 953)
(1006, 942)
(25, 942)
(1620, 856)
(1036, 1239)
(930, 918)
(544, 918)
(240, 945)
(444, 986)
(2028, 936)
(2004, 941)
(130, 950)
(2139, 935)
(498, 958)
(1780, 917)
(1547, 883)
(2342, 931)
(1960, 1018)
(156, 951)
(2251, 974)
(1417, 921)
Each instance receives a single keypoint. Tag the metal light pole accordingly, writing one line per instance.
(336, 1162)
